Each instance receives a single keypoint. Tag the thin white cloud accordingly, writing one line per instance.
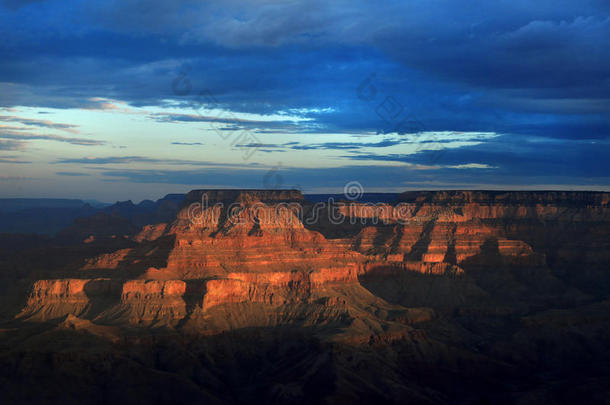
(22, 136)
(472, 166)
(40, 123)
(11, 145)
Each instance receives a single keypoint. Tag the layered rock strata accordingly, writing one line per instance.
(229, 247)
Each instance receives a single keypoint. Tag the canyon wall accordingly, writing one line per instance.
(254, 246)
(500, 294)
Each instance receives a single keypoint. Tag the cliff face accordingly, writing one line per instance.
(232, 246)
(107, 300)
(276, 288)
(165, 302)
(50, 299)
(454, 226)
(443, 297)
(228, 247)
(257, 231)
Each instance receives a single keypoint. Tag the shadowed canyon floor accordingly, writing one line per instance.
(261, 296)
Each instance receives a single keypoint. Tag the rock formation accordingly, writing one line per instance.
(253, 246)
(455, 290)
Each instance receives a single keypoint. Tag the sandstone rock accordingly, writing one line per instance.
(495, 291)
(260, 252)
(51, 299)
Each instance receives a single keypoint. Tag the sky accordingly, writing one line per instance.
(122, 99)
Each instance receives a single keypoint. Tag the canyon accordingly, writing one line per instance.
(439, 296)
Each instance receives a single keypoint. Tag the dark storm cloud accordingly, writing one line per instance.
(493, 65)
(517, 156)
(534, 69)
(15, 4)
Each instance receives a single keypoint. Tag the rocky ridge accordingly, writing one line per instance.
(453, 296)
(236, 246)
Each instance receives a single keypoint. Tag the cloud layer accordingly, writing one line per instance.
(534, 74)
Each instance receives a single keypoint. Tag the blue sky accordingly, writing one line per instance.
(136, 99)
